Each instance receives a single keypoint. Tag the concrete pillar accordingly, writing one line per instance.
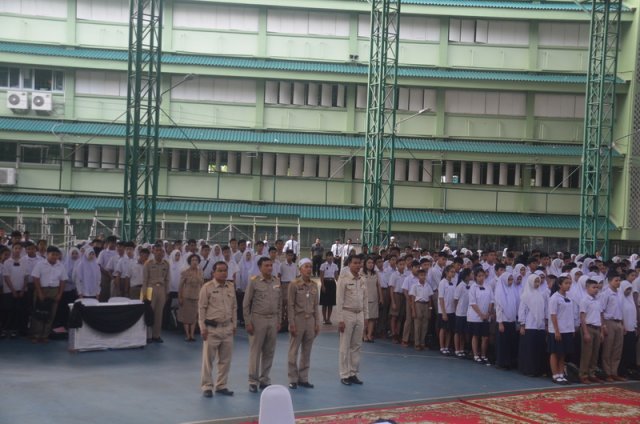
(282, 164)
(323, 166)
(175, 159)
(463, 172)
(309, 166)
(268, 164)
(490, 172)
(94, 157)
(427, 171)
(295, 165)
(358, 168)
(78, 156)
(108, 157)
(336, 168)
(448, 172)
(565, 176)
(504, 172)
(401, 170)
(538, 177)
(475, 173)
(552, 176)
(516, 179)
(232, 162)
(121, 157)
(204, 161)
(414, 170)
(245, 163)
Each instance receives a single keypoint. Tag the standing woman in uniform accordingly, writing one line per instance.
(374, 296)
(328, 272)
(532, 314)
(191, 281)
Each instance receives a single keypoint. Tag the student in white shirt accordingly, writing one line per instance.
(328, 275)
(134, 275)
(630, 321)
(461, 300)
(86, 275)
(397, 308)
(591, 331)
(13, 305)
(232, 265)
(562, 312)
(49, 277)
(507, 301)
(288, 272)
(446, 308)
(409, 281)
(420, 308)
(532, 314)
(478, 316)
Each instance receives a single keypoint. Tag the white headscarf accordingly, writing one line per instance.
(244, 272)
(70, 263)
(86, 274)
(507, 296)
(578, 286)
(633, 259)
(556, 267)
(629, 312)
(586, 264)
(534, 299)
(175, 269)
(212, 255)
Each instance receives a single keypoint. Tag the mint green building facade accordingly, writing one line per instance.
(264, 113)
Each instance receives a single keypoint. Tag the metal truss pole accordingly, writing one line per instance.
(381, 122)
(143, 113)
(598, 127)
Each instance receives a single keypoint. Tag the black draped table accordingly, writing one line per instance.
(118, 324)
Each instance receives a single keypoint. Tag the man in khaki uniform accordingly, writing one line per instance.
(261, 308)
(304, 324)
(351, 311)
(217, 316)
(156, 276)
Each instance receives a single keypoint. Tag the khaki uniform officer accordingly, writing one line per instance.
(217, 316)
(352, 312)
(304, 324)
(156, 276)
(261, 309)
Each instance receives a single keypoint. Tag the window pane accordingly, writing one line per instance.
(58, 78)
(4, 77)
(7, 151)
(14, 77)
(43, 79)
(27, 79)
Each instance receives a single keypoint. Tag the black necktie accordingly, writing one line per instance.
(480, 287)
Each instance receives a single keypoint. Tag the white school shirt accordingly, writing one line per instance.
(288, 272)
(49, 275)
(329, 271)
(122, 265)
(446, 291)
(292, 245)
(409, 282)
(15, 274)
(385, 276)
(629, 314)
(592, 308)
(421, 292)
(232, 269)
(29, 264)
(396, 281)
(461, 294)
(565, 313)
(611, 305)
(112, 265)
(276, 269)
(434, 276)
(104, 257)
(483, 298)
(528, 320)
(135, 273)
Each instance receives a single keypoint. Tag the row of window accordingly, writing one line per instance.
(31, 79)
(225, 18)
(298, 165)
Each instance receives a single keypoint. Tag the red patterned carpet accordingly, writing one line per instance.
(608, 404)
(576, 406)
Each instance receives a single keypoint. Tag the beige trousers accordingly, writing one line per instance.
(219, 345)
(262, 347)
(350, 343)
(305, 334)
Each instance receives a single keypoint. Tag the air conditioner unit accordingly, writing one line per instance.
(8, 176)
(41, 101)
(17, 100)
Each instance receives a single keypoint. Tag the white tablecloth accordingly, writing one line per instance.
(86, 338)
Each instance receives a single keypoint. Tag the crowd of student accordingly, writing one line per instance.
(533, 312)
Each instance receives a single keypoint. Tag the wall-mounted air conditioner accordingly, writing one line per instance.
(17, 100)
(41, 101)
(8, 176)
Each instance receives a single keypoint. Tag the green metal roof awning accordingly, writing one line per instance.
(290, 138)
(522, 4)
(295, 65)
(322, 213)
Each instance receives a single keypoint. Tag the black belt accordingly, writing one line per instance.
(597, 327)
(215, 324)
(422, 301)
(614, 320)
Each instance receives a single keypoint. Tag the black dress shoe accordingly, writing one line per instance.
(264, 386)
(149, 341)
(355, 380)
(225, 392)
(305, 384)
(158, 340)
(207, 393)
(253, 388)
(293, 385)
(346, 381)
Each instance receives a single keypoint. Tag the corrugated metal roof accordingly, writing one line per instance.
(324, 213)
(522, 4)
(296, 66)
(290, 138)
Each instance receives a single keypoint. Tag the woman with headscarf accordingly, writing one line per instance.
(556, 267)
(242, 281)
(87, 275)
(630, 338)
(70, 293)
(176, 266)
(519, 279)
(191, 281)
(216, 254)
(532, 314)
(507, 302)
(575, 292)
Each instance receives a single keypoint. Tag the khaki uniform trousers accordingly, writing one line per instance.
(589, 352)
(41, 329)
(262, 347)
(219, 344)
(158, 299)
(284, 310)
(408, 322)
(421, 322)
(350, 343)
(134, 292)
(305, 334)
(612, 347)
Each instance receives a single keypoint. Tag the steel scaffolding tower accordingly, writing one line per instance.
(143, 112)
(381, 122)
(598, 126)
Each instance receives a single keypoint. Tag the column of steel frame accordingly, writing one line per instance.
(598, 127)
(381, 117)
(143, 114)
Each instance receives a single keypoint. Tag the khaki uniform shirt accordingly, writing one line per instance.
(217, 302)
(262, 297)
(156, 274)
(303, 299)
(351, 295)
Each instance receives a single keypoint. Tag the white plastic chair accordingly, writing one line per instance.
(119, 300)
(89, 301)
(276, 406)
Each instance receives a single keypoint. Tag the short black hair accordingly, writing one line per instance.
(215, 266)
(590, 282)
(144, 250)
(112, 239)
(191, 256)
(263, 260)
